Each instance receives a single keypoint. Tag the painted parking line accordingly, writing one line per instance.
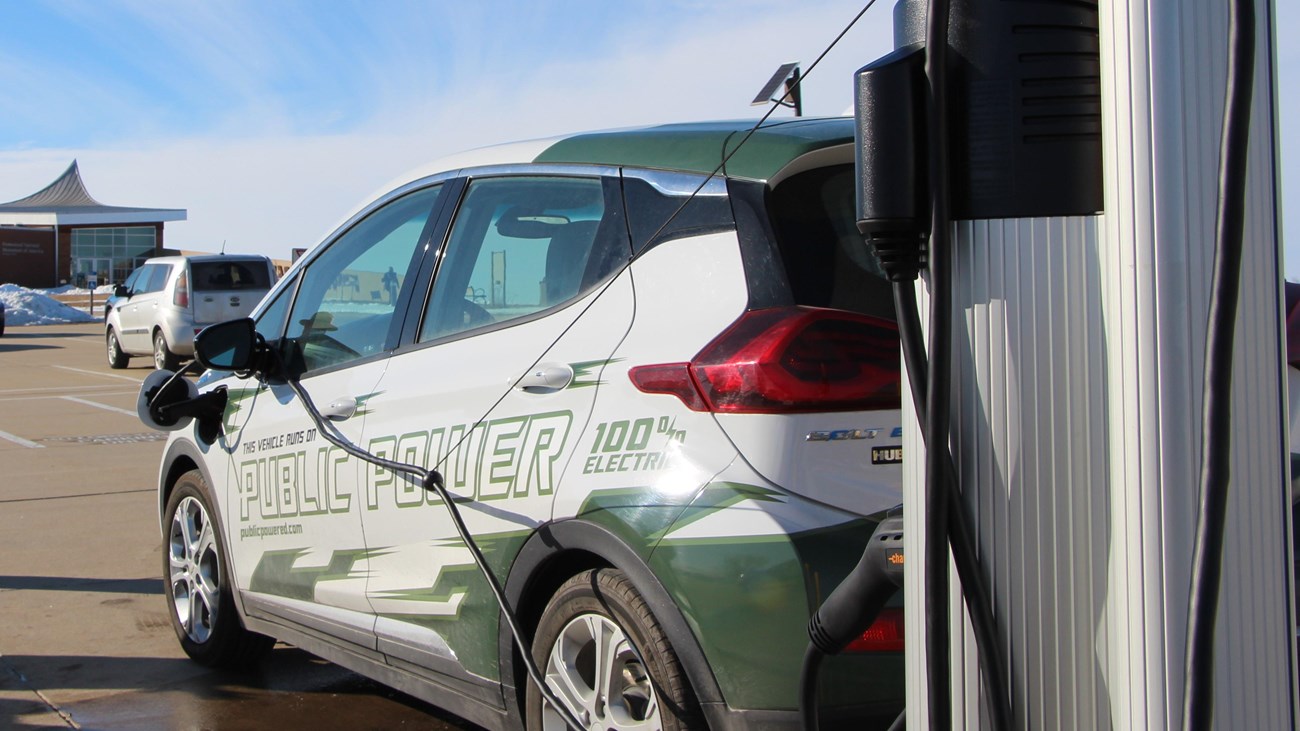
(6, 391)
(97, 405)
(20, 441)
(47, 397)
(97, 373)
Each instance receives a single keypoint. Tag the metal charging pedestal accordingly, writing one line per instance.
(1077, 389)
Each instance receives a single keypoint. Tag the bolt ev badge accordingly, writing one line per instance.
(840, 435)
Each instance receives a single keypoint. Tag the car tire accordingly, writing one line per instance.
(647, 686)
(197, 579)
(163, 358)
(117, 359)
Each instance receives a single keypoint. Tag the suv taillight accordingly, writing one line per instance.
(787, 360)
(181, 297)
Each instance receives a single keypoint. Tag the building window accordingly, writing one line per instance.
(111, 253)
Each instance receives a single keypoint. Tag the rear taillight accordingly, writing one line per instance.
(181, 297)
(884, 635)
(787, 360)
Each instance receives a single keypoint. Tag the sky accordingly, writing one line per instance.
(269, 121)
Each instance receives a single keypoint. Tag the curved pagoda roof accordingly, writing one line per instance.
(66, 202)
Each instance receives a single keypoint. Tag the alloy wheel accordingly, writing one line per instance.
(595, 669)
(195, 576)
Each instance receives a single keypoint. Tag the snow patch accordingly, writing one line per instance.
(33, 307)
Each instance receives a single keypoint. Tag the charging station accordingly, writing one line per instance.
(1085, 183)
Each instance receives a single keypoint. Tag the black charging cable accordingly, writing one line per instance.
(1216, 415)
(938, 642)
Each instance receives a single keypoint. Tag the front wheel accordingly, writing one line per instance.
(163, 358)
(606, 656)
(198, 582)
(116, 358)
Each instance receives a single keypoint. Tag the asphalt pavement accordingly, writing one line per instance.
(85, 641)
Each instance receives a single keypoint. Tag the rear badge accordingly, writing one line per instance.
(886, 455)
(840, 435)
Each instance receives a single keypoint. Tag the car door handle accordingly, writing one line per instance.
(340, 409)
(547, 378)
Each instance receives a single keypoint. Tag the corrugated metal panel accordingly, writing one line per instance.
(1079, 347)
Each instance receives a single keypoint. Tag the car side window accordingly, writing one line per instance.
(157, 278)
(348, 295)
(134, 279)
(521, 245)
(270, 322)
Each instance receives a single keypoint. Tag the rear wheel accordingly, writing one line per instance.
(198, 582)
(605, 655)
(163, 358)
(116, 358)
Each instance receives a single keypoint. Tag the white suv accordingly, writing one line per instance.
(168, 299)
(668, 400)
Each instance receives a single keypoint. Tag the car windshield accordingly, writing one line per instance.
(209, 276)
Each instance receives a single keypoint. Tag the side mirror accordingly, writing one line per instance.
(121, 291)
(229, 346)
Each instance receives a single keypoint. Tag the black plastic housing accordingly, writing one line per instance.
(1024, 101)
(890, 156)
(1025, 105)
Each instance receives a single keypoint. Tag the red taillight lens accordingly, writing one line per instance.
(884, 635)
(787, 360)
(181, 297)
(670, 378)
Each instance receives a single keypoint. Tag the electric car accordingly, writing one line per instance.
(168, 299)
(663, 390)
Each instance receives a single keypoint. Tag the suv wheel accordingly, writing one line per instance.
(603, 652)
(116, 358)
(163, 358)
(198, 582)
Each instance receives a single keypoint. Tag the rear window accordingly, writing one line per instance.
(827, 262)
(209, 276)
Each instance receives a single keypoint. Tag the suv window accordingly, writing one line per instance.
(348, 294)
(154, 278)
(521, 245)
(135, 276)
(814, 215)
(209, 276)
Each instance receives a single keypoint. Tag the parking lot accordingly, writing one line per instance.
(85, 641)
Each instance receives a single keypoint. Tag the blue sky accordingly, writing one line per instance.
(268, 121)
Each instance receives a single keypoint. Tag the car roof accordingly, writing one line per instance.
(697, 147)
(701, 146)
(204, 258)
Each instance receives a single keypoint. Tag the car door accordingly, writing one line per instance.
(293, 500)
(493, 389)
(136, 315)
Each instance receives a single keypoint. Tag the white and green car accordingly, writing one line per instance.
(671, 401)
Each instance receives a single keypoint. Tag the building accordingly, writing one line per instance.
(63, 235)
